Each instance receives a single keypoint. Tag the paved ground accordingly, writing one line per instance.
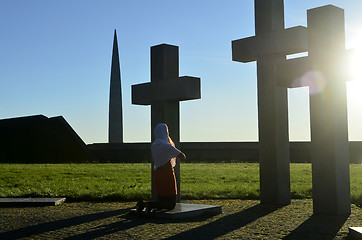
(241, 219)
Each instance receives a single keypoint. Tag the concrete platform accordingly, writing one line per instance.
(30, 202)
(186, 210)
(355, 233)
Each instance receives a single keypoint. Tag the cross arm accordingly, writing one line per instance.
(288, 71)
(289, 41)
(177, 89)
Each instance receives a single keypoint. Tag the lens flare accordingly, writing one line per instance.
(315, 80)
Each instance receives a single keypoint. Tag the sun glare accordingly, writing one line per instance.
(354, 95)
(355, 65)
(354, 56)
(354, 75)
(354, 100)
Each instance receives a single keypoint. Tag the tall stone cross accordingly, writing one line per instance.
(323, 71)
(270, 45)
(164, 93)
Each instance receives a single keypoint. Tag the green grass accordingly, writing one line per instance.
(75, 181)
(220, 180)
(131, 181)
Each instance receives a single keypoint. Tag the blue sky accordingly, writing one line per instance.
(55, 59)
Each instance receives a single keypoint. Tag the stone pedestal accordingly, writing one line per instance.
(30, 202)
(186, 210)
(355, 233)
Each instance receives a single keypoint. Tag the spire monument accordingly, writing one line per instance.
(115, 127)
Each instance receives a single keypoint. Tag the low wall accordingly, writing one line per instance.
(208, 152)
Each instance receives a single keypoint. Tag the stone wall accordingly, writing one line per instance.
(208, 152)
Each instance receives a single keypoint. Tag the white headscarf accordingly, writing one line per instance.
(162, 150)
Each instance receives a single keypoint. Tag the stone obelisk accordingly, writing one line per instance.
(115, 127)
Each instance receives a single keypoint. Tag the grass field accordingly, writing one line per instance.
(131, 181)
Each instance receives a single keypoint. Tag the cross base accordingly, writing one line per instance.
(30, 202)
(355, 233)
(186, 210)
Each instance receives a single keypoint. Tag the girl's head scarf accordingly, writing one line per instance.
(161, 134)
(162, 150)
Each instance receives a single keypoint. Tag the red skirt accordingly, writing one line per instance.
(165, 181)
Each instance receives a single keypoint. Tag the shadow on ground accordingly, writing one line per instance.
(129, 221)
(227, 224)
(318, 227)
(117, 223)
(212, 230)
(59, 224)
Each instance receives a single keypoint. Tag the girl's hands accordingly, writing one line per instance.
(181, 156)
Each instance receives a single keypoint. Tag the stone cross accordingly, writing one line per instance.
(323, 71)
(164, 93)
(115, 126)
(270, 45)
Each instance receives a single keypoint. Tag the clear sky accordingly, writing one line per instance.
(55, 59)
